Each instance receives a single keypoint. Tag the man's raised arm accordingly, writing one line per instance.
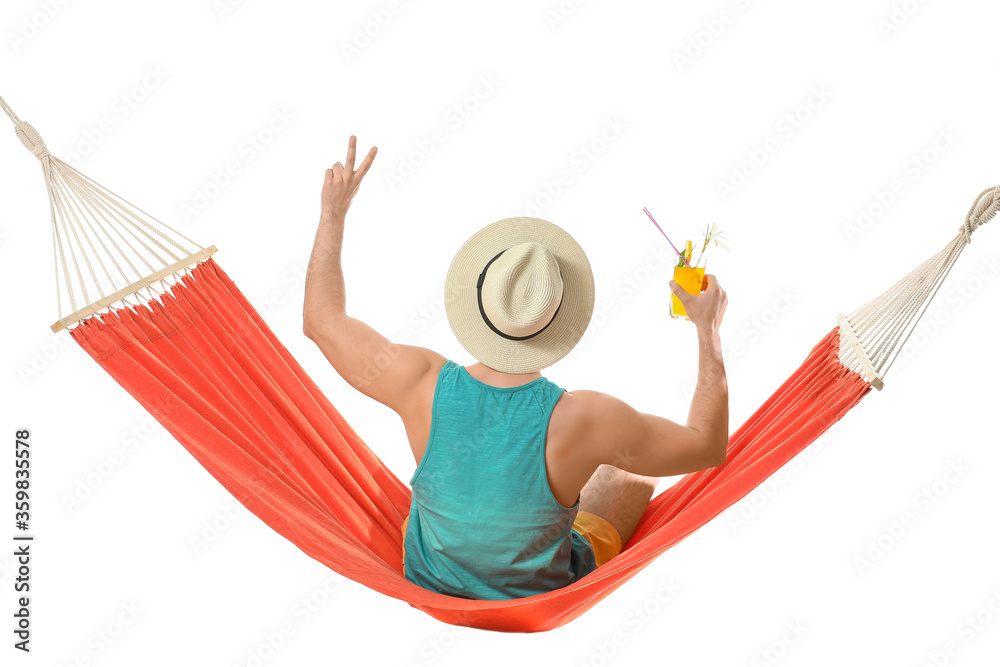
(610, 431)
(385, 371)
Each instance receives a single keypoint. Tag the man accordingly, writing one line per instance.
(521, 487)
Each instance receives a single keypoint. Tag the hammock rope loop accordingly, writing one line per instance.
(982, 211)
(31, 139)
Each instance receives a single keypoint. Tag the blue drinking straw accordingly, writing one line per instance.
(666, 237)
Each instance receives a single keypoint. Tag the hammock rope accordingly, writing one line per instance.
(202, 361)
(882, 326)
(85, 213)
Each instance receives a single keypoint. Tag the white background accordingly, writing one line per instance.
(672, 132)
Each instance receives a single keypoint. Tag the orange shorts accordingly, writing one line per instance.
(601, 534)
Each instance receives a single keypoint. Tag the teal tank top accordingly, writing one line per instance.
(483, 522)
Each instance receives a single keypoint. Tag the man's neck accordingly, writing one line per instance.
(491, 376)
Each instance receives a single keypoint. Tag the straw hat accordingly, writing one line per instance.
(519, 294)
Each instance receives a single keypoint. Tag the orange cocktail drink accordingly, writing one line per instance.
(691, 279)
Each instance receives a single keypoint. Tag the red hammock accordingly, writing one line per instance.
(209, 369)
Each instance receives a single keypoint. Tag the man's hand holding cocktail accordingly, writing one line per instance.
(705, 309)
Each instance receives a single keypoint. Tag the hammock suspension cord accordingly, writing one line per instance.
(83, 214)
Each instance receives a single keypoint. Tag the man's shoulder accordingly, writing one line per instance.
(575, 410)
(426, 363)
(574, 432)
(587, 415)
(581, 402)
(425, 367)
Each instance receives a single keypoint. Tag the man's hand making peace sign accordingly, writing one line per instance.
(342, 181)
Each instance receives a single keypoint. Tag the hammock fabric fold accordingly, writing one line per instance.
(209, 369)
